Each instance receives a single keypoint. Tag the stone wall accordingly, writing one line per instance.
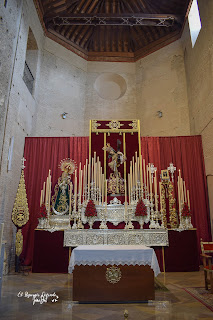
(17, 104)
(199, 75)
(161, 86)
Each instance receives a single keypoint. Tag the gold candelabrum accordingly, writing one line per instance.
(141, 184)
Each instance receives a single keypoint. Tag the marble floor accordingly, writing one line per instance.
(17, 301)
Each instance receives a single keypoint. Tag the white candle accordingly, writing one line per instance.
(155, 186)
(125, 196)
(70, 198)
(150, 181)
(144, 170)
(188, 199)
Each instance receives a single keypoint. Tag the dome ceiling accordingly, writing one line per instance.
(113, 30)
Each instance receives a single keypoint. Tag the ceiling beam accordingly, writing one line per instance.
(140, 19)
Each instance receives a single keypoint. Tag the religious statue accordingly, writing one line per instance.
(61, 198)
(115, 182)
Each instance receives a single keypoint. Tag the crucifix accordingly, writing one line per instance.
(152, 170)
(172, 170)
(22, 163)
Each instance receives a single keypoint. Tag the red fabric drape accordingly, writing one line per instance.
(186, 153)
(43, 154)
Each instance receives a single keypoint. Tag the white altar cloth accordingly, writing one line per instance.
(114, 255)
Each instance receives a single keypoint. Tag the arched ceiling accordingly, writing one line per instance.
(113, 30)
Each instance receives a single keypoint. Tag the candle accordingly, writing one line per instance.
(70, 198)
(161, 205)
(106, 195)
(125, 196)
(155, 186)
(144, 171)
(147, 178)
(92, 170)
(150, 181)
(75, 192)
(188, 199)
(41, 197)
(102, 190)
(44, 184)
(184, 187)
(89, 170)
(133, 173)
(179, 193)
(129, 186)
(141, 177)
(130, 178)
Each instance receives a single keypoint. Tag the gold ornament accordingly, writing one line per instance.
(95, 124)
(68, 166)
(134, 124)
(113, 274)
(114, 125)
(172, 210)
(163, 200)
(20, 214)
(19, 242)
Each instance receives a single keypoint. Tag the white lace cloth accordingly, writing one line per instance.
(114, 255)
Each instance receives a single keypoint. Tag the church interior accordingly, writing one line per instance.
(106, 159)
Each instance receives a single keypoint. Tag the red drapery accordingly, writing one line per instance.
(186, 153)
(43, 154)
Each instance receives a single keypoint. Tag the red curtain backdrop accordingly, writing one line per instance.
(186, 154)
(43, 154)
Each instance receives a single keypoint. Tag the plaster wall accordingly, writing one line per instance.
(17, 104)
(161, 86)
(62, 86)
(99, 108)
(199, 75)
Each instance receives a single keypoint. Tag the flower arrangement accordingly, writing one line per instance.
(43, 212)
(141, 209)
(185, 211)
(90, 209)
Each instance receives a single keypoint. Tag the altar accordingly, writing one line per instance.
(104, 273)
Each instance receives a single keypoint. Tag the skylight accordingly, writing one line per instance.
(194, 22)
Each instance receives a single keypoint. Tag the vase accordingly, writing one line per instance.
(90, 221)
(141, 221)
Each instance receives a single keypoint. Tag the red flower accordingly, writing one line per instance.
(42, 212)
(141, 209)
(185, 211)
(90, 209)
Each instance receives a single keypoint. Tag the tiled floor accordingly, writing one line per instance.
(172, 304)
